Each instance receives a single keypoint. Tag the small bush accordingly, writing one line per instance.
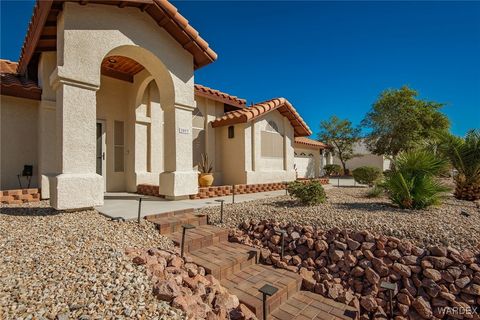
(367, 175)
(413, 183)
(375, 192)
(333, 170)
(307, 192)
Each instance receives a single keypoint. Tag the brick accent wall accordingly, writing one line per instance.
(220, 191)
(19, 196)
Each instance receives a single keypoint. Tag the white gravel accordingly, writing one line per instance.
(71, 265)
(349, 208)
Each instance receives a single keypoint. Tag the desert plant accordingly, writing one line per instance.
(367, 175)
(413, 183)
(310, 193)
(205, 165)
(464, 155)
(333, 169)
(375, 191)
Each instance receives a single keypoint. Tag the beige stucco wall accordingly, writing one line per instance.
(210, 110)
(241, 159)
(113, 101)
(86, 34)
(18, 121)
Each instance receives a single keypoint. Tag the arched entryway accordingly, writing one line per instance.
(130, 125)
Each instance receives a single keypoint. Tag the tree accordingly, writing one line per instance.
(398, 120)
(464, 155)
(341, 135)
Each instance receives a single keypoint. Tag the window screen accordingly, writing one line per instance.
(272, 145)
(119, 147)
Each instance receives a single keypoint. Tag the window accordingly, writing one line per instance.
(231, 132)
(119, 147)
(272, 127)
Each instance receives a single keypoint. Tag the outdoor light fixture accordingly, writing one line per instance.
(185, 227)
(391, 287)
(266, 290)
(282, 233)
(221, 209)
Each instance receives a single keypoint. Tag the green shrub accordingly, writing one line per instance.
(333, 170)
(375, 192)
(413, 183)
(367, 175)
(310, 193)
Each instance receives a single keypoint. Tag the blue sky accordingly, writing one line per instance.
(328, 57)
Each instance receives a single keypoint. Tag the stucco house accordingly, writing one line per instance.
(103, 99)
(363, 157)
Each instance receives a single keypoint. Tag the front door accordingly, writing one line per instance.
(101, 152)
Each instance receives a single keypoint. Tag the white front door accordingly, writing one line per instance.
(101, 152)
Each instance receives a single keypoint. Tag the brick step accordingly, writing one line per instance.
(172, 222)
(200, 237)
(308, 305)
(245, 285)
(225, 258)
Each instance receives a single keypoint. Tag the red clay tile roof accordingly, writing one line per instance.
(219, 96)
(248, 114)
(163, 12)
(310, 142)
(11, 84)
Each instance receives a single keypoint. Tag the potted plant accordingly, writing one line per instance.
(205, 177)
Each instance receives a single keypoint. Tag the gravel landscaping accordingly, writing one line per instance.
(349, 208)
(72, 265)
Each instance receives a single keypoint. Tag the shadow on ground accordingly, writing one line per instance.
(29, 211)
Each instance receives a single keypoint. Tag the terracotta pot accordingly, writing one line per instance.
(205, 179)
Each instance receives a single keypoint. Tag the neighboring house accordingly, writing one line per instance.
(103, 99)
(364, 158)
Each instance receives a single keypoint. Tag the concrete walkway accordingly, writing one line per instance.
(125, 205)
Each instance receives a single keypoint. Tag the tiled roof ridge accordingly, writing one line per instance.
(250, 113)
(42, 8)
(310, 142)
(221, 96)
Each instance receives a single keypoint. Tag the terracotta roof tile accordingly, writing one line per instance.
(164, 13)
(12, 84)
(310, 142)
(248, 114)
(219, 96)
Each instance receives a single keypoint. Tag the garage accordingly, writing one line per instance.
(304, 165)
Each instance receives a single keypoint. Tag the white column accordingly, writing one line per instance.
(77, 185)
(178, 181)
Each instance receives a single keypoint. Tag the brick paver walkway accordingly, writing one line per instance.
(236, 266)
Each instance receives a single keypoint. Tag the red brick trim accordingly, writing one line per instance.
(19, 196)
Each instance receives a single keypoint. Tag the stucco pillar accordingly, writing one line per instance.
(317, 158)
(47, 155)
(322, 162)
(178, 181)
(76, 185)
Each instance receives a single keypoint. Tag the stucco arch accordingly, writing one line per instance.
(93, 32)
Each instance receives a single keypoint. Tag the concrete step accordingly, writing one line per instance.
(225, 258)
(172, 222)
(200, 237)
(245, 285)
(308, 305)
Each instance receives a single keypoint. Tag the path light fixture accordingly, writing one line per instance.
(266, 290)
(139, 208)
(286, 187)
(391, 288)
(282, 233)
(185, 227)
(221, 209)
(233, 193)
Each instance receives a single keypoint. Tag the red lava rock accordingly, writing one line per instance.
(166, 290)
(423, 307)
(372, 276)
(139, 260)
(433, 274)
(369, 303)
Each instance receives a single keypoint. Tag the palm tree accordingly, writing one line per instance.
(464, 154)
(413, 183)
